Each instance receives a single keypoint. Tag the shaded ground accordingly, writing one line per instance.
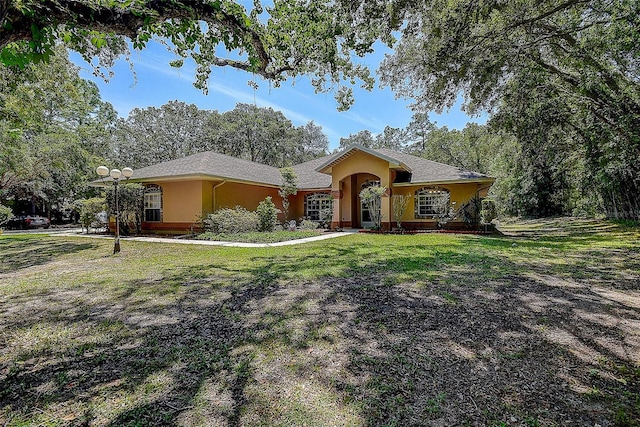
(537, 327)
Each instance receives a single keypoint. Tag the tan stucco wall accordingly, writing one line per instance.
(187, 201)
(459, 193)
(296, 209)
(181, 200)
(232, 194)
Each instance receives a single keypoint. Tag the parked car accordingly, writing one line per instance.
(29, 221)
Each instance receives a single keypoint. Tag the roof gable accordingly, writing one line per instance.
(326, 166)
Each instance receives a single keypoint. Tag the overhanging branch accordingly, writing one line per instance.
(16, 25)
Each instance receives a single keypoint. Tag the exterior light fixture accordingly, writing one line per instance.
(116, 175)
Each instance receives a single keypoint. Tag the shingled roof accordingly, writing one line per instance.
(309, 177)
(425, 171)
(219, 166)
(212, 165)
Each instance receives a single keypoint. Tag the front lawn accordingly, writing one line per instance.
(540, 326)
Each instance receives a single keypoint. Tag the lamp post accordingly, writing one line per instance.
(116, 175)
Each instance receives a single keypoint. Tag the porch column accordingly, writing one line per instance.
(336, 221)
(385, 210)
(385, 205)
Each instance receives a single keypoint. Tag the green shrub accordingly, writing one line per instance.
(489, 211)
(372, 198)
(307, 224)
(326, 215)
(267, 215)
(469, 213)
(231, 221)
(130, 204)
(445, 212)
(5, 214)
(90, 210)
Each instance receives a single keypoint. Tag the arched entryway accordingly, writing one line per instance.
(353, 212)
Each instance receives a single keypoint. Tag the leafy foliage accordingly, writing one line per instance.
(560, 77)
(267, 215)
(307, 224)
(288, 38)
(89, 212)
(263, 135)
(176, 129)
(391, 138)
(153, 135)
(372, 197)
(232, 221)
(5, 214)
(53, 131)
(489, 211)
(469, 213)
(399, 203)
(130, 204)
(289, 187)
(326, 214)
(445, 212)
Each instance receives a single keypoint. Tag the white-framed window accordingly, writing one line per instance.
(317, 203)
(430, 201)
(153, 203)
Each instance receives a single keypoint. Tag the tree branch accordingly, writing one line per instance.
(16, 25)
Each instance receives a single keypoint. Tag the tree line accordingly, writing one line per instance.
(55, 130)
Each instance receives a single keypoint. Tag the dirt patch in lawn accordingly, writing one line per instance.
(501, 337)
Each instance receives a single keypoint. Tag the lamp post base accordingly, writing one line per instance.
(116, 247)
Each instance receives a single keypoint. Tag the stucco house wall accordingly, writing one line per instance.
(232, 194)
(459, 194)
(196, 185)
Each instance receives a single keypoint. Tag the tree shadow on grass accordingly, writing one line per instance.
(17, 253)
(145, 355)
(496, 340)
(523, 352)
(278, 341)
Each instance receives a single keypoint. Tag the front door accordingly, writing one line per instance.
(365, 215)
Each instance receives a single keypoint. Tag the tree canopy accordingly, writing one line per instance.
(561, 76)
(53, 128)
(283, 39)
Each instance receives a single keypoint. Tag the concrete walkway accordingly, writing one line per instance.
(323, 236)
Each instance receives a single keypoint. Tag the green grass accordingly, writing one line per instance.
(258, 237)
(359, 330)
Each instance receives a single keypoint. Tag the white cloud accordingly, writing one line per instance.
(372, 123)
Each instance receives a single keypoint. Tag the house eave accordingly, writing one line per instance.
(188, 177)
(486, 180)
(328, 188)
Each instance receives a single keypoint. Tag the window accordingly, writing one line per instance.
(153, 203)
(430, 201)
(317, 206)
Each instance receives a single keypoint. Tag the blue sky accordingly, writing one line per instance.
(157, 83)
